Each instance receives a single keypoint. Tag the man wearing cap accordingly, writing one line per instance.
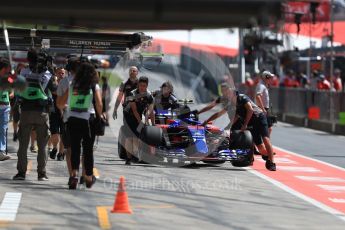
(262, 98)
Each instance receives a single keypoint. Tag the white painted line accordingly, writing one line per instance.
(309, 158)
(297, 169)
(320, 179)
(337, 200)
(300, 195)
(9, 206)
(332, 188)
(279, 160)
(284, 160)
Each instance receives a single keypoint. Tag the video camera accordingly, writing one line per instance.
(38, 61)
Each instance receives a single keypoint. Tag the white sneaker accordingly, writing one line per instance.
(3, 156)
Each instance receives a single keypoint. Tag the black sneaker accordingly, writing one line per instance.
(270, 165)
(264, 157)
(15, 137)
(256, 152)
(19, 176)
(73, 183)
(69, 181)
(60, 157)
(53, 153)
(128, 162)
(90, 183)
(42, 177)
(81, 180)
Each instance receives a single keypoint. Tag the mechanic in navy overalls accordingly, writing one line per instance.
(164, 99)
(139, 102)
(35, 104)
(126, 88)
(247, 114)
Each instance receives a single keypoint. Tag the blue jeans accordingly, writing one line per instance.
(4, 118)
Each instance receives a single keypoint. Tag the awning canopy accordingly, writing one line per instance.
(66, 41)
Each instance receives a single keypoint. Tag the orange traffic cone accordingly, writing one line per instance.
(121, 204)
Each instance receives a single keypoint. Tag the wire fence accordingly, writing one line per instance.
(297, 102)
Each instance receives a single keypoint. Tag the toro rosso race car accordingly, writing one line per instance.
(179, 138)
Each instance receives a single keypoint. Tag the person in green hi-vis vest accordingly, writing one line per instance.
(5, 68)
(35, 103)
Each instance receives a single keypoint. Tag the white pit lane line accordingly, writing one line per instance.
(312, 201)
(320, 179)
(9, 206)
(299, 195)
(309, 158)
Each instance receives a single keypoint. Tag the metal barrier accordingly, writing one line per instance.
(295, 101)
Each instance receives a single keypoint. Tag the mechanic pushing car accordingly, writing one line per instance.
(224, 100)
(247, 114)
(138, 101)
(164, 98)
(126, 88)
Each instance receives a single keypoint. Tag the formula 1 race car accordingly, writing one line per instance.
(179, 138)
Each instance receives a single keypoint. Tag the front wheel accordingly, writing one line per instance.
(248, 160)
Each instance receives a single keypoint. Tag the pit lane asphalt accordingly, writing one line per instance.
(203, 197)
